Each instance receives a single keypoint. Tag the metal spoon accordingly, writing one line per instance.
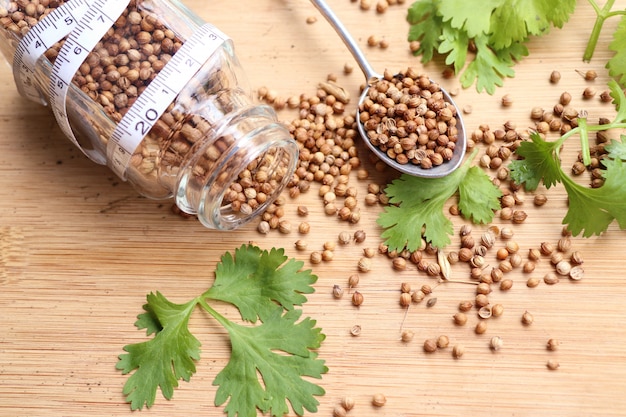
(372, 76)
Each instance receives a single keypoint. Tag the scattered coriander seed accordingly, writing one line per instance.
(364, 265)
(577, 273)
(427, 289)
(418, 296)
(481, 327)
(379, 400)
(551, 278)
(304, 228)
(540, 199)
(369, 252)
(327, 255)
(303, 211)
(546, 248)
(357, 298)
(345, 238)
(347, 403)
(353, 280)
(563, 268)
(443, 341)
(337, 291)
(481, 300)
(605, 96)
(506, 101)
(529, 266)
(527, 318)
(339, 411)
(348, 68)
(589, 93)
(552, 365)
(399, 264)
(553, 344)
(465, 306)
(485, 312)
(407, 336)
(405, 287)
(497, 310)
(328, 245)
(355, 330)
(555, 77)
(300, 245)
(430, 345)
(519, 216)
(506, 233)
(460, 318)
(284, 227)
(532, 282)
(458, 351)
(496, 343)
(359, 236)
(263, 227)
(405, 299)
(534, 254)
(564, 244)
(431, 302)
(506, 284)
(576, 258)
(315, 257)
(483, 288)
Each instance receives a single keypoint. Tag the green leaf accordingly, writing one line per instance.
(478, 198)
(267, 364)
(473, 17)
(455, 46)
(617, 149)
(260, 283)
(164, 360)
(540, 163)
(591, 210)
(619, 100)
(617, 64)
(426, 27)
(487, 69)
(417, 206)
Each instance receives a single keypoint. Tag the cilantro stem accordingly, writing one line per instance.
(584, 139)
(221, 319)
(601, 15)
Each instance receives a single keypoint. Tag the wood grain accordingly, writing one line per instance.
(79, 251)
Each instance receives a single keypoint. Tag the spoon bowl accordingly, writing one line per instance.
(372, 77)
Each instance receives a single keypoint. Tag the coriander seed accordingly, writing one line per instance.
(527, 318)
(458, 351)
(327, 255)
(496, 343)
(443, 341)
(551, 278)
(407, 336)
(359, 236)
(485, 312)
(481, 327)
(337, 291)
(353, 281)
(300, 245)
(532, 282)
(347, 403)
(552, 365)
(364, 265)
(344, 238)
(497, 310)
(339, 411)
(315, 257)
(355, 330)
(379, 400)
(506, 284)
(357, 298)
(430, 345)
(577, 273)
(399, 264)
(555, 77)
(405, 299)
(553, 344)
(460, 318)
(304, 228)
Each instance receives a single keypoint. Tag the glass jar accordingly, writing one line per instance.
(218, 154)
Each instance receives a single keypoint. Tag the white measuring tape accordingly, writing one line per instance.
(86, 24)
(50, 30)
(155, 99)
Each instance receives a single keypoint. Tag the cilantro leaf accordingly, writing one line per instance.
(279, 351)
(540, 163)
(487, 69)
(162, 361)
(498, 28)
(617, 149)
(417, 204)
(591, 210)
(477, 199)
(617, 64)
(426, 27)
(473, 17)
(260, 283)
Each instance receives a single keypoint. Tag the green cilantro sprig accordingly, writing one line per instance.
(417, 204)
(264, 286)
(591, 210)
(617, 64)
(497, 30)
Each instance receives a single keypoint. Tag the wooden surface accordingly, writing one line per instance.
(79, 251)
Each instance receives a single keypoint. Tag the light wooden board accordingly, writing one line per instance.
(79, 251)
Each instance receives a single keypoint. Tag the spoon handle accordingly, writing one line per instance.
(347, 39)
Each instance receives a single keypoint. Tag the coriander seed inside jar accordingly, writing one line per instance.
(158, 95)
